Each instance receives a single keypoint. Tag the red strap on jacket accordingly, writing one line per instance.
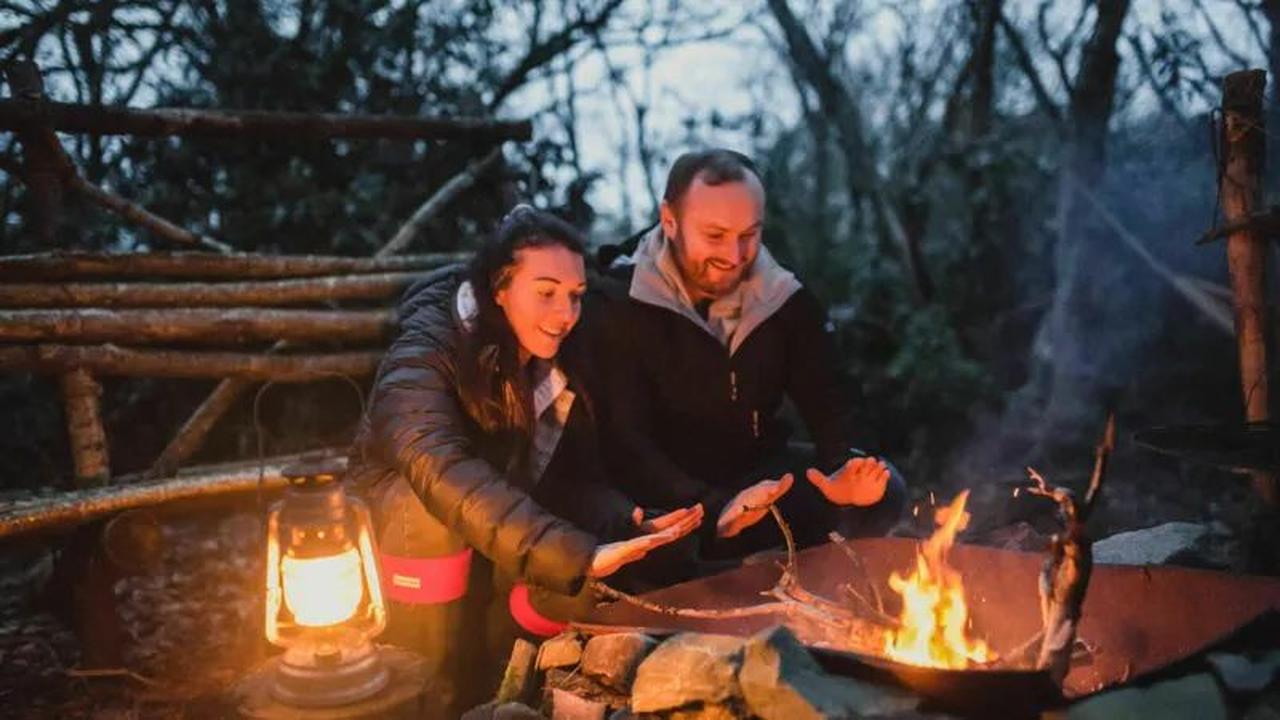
(425, 581)
(531, 620)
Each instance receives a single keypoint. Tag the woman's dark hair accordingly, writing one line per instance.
(493, 389)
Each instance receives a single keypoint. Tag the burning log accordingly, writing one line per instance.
(376, 286)
(207, 266)
(1064, 578)
(118, 361)
(194, 325)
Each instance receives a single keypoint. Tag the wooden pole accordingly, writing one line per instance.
(1243, 145)
(205, 326)
(456, 185)
(43, 512)
(160, 122)
(41, 170)
(81, 395)
(124, 362)
(376, 286)
(139, 215)
(205, 266)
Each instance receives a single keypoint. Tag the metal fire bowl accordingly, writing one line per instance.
(1136, 620)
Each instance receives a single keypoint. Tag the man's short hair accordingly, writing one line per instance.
(716, 167)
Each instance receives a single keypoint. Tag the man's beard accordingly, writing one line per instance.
(697, 279)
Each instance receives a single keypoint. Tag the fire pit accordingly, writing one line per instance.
(1136, 620)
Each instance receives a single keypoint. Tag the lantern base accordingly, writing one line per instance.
(398, 696)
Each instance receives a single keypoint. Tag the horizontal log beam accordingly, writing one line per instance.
(265, 293)
(47, 512)
(204, 326)
(127, 362)
(160, 122)
(209, 266)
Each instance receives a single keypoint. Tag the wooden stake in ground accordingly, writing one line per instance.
(1243, 144)
(81, 394)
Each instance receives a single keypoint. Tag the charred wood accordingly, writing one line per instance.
(1064, 579)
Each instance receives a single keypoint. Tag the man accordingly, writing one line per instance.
(703, 336)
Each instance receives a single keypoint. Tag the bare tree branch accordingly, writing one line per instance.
(1028, 68)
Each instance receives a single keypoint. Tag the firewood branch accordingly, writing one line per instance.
(1064, 578)
(791, 601)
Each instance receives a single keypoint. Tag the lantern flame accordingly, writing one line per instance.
(933, 626)
(323, 591)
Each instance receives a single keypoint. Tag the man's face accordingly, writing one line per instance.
(715, 231)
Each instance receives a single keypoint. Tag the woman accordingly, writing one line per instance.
(480, 459)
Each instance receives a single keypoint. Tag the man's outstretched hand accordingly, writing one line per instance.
(662, 530)
(860, 482)
(747, 507)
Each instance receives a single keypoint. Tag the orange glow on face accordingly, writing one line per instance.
(933, 628)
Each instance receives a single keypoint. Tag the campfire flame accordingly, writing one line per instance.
(933, 627)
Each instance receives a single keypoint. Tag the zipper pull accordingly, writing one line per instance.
(755, 424)
(733, 386)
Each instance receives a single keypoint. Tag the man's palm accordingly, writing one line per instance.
(861, 482)
(748, 506)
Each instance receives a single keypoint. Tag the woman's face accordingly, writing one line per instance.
(543, 298)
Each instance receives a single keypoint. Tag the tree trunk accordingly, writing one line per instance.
(377, 286)
(206, 266)
(204, 326)
(1062, 395)
(864, 178)
(123, 362)
(1243, 149)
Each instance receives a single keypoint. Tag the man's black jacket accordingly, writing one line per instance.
(689, 422)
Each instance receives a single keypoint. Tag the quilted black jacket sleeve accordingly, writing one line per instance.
(417, 426)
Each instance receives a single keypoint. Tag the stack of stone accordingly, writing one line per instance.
(620, 676)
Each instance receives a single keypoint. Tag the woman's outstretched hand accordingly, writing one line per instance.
(662, 530)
